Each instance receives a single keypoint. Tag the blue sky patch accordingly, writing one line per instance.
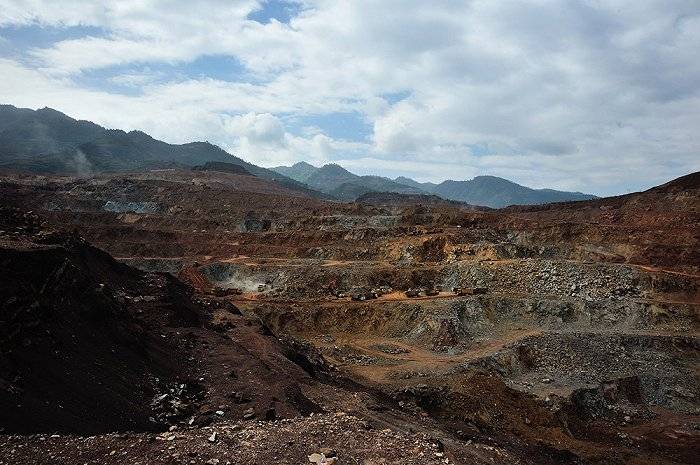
(221, 67)
(131, 79)
(282, 11)
(480, 150)
(19, 39)
(396, 97)
(350, 126)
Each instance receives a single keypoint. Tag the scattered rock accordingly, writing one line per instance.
(248, 414)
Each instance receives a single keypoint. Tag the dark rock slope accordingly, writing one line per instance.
(90, 345)
(72, 357)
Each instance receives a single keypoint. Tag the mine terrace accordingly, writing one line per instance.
(205, 316)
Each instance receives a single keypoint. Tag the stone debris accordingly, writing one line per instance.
(340, 438)
(321, 459)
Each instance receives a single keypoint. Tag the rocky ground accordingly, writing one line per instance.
(232, 336)
(339, 437)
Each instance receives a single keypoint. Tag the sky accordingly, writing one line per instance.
(595, 96)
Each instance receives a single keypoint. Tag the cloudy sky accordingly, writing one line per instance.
(601, 96)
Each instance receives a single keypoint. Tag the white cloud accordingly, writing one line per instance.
(264, 135)
(263, 129)
(586, 95)
(65, 12)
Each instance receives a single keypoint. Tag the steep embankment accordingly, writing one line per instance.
(72, 356)
(91, 345)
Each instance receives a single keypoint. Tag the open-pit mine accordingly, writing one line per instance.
(182, 316)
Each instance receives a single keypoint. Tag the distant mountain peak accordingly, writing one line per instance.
(299, 171)
(496, 192)
(335, 168)
(423, 186)
(140, 135)
(50, 110)
(303, 164)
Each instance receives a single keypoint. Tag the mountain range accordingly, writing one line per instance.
(48, 141)
(489, 191)
(340, 183)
